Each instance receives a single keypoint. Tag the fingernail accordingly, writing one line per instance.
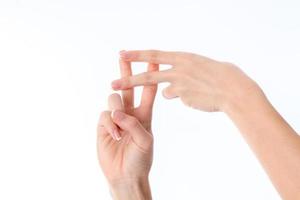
(117, 135)
(121, 52)
(124, 54)
(116, 84)
(117, 115)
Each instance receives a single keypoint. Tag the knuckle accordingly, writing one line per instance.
(100, 130)
(182, 57)
(153, 54)
(173, 75)
(190, 55)
(103, 116)
(169, 92)
(133, 122)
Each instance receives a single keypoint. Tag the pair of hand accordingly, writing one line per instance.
(125, 141)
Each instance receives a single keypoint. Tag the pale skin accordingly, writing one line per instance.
(209, 85)
(125, 141)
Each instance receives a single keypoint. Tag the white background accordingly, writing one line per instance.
(58, 57)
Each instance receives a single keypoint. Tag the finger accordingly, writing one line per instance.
(127, 95)
(115, 102)
(149, 91)
(132, 126)
(146, 78)
(106, 122)
(169, 92)
(151, 56)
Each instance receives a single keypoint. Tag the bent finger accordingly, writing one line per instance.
(106, 122)
(132, 126)
(169, 92)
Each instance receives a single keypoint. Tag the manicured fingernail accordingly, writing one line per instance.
(116, 135)
(117, 115)
(116, 84)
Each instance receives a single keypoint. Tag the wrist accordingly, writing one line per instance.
(243, 98)
(133, 189)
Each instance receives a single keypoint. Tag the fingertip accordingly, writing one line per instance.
(168, 93)
(113, 96)
(120, 52)
(124, 55)
(116, 85)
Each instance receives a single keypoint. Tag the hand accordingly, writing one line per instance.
(125, 141)
(200, 82)
(211, 85)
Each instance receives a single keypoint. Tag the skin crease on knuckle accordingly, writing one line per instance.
(132, 123)
(153, 54)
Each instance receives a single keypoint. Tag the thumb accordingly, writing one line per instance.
(132, 126)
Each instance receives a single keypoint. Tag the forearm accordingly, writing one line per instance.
(134, 189)
(274, 142)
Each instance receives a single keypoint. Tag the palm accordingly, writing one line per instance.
(125, 158)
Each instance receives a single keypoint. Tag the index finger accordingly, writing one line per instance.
(151, 56)
(127, 95)
(146, 78)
